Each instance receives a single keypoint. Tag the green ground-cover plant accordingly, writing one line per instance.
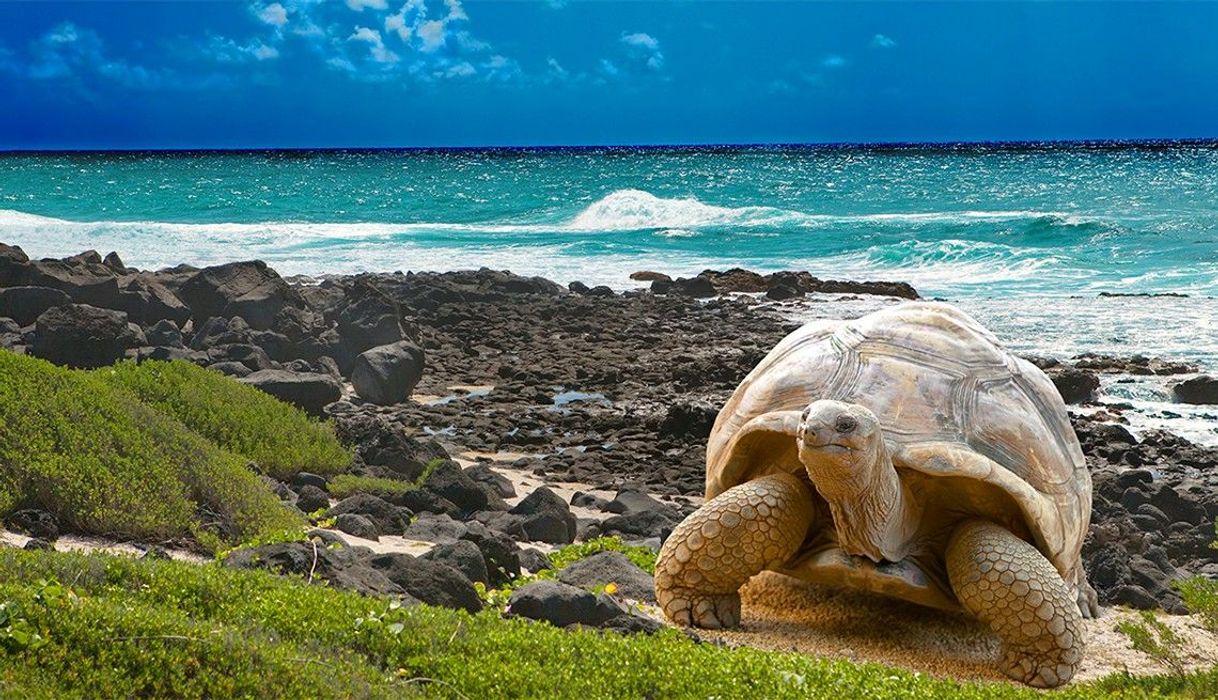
(345, 485)
(141, 628)
(281, 439)
(642, 557)
(104, 463)
(1156, 639)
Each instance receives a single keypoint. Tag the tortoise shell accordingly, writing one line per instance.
(944, 391)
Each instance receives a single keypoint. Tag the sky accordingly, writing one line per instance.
(399, 73)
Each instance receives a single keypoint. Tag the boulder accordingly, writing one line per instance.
(499, 484)
(147, 302)
(311, 499)
(82, 336)
(448, 481)
(462, 555)
(1075, 385)
(164, 333)
(500, 552)
(604, 568)
(696, 287)
(630, 500)
(547, 518)
(308, 391)
(1198, 390)
(736, 280)
(14, 266)
(435, 527)
(249, 289)
(357, 526)
(368, 317)
(387, 517)
(649, 276)
(35, 523)
(84, 279)
(532, 560)
(25, 304)
(561, 604)
(429, 581)
(638, 525)
(387, 374)
(382, 444)
(689, 420)
(344, 567)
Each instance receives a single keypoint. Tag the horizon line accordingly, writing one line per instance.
(1012, 144)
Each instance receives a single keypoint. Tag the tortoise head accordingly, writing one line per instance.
(841, 446)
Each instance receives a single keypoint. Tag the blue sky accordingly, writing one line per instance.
(461, 72)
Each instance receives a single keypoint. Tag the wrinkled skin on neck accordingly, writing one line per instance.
(842, 448)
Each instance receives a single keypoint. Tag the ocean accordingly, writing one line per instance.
(1026, 237)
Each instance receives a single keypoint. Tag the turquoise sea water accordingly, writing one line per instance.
(1023, 238)
(961, 221)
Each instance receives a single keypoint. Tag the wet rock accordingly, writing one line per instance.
(735, 280)
(307, 391)
(561, 604)
(81, 336)
(387, 374)
(649, 276)
(25, 304)
(1075, 385)
(1198, 390)
(604, 568)
(546, 517)
(696, 287)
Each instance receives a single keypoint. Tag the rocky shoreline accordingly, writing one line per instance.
(615, 391)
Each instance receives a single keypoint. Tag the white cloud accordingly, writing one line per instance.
(396, 24)
(376, 47)
(555, 69)
(880, 41)
(464, 69)
(359, 5)
(432, 34)
(609, 68)
(273, 14)
(647, 41)
(644, 49)
(225, 50)
(455, 11)
(834, 61)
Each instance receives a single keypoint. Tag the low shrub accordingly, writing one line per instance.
(280, 438)
(141, 628)
(102, 462)
(345, 485)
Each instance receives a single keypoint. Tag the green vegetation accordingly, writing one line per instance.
(642, 557)
(1153, 637)
(281, 439)
(119, 627)
(103, 462)
(345, 485)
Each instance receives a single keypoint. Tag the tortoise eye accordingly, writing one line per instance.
(845, 424)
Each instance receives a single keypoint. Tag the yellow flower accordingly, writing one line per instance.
(611, 588)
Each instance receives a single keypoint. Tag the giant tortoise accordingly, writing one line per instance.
(905, 453)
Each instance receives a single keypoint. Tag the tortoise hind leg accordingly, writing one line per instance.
(734, 536)
(1006, 583)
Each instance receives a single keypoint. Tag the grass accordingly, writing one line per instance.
(281, 439)
(104, 463)
(120, 627)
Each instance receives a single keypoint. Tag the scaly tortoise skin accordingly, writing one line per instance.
(905, 453)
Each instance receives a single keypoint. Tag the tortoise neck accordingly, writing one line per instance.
(873, 512)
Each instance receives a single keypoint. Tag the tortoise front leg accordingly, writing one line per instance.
(745, 530)
(1008, 584)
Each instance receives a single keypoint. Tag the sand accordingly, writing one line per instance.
(781, 614)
